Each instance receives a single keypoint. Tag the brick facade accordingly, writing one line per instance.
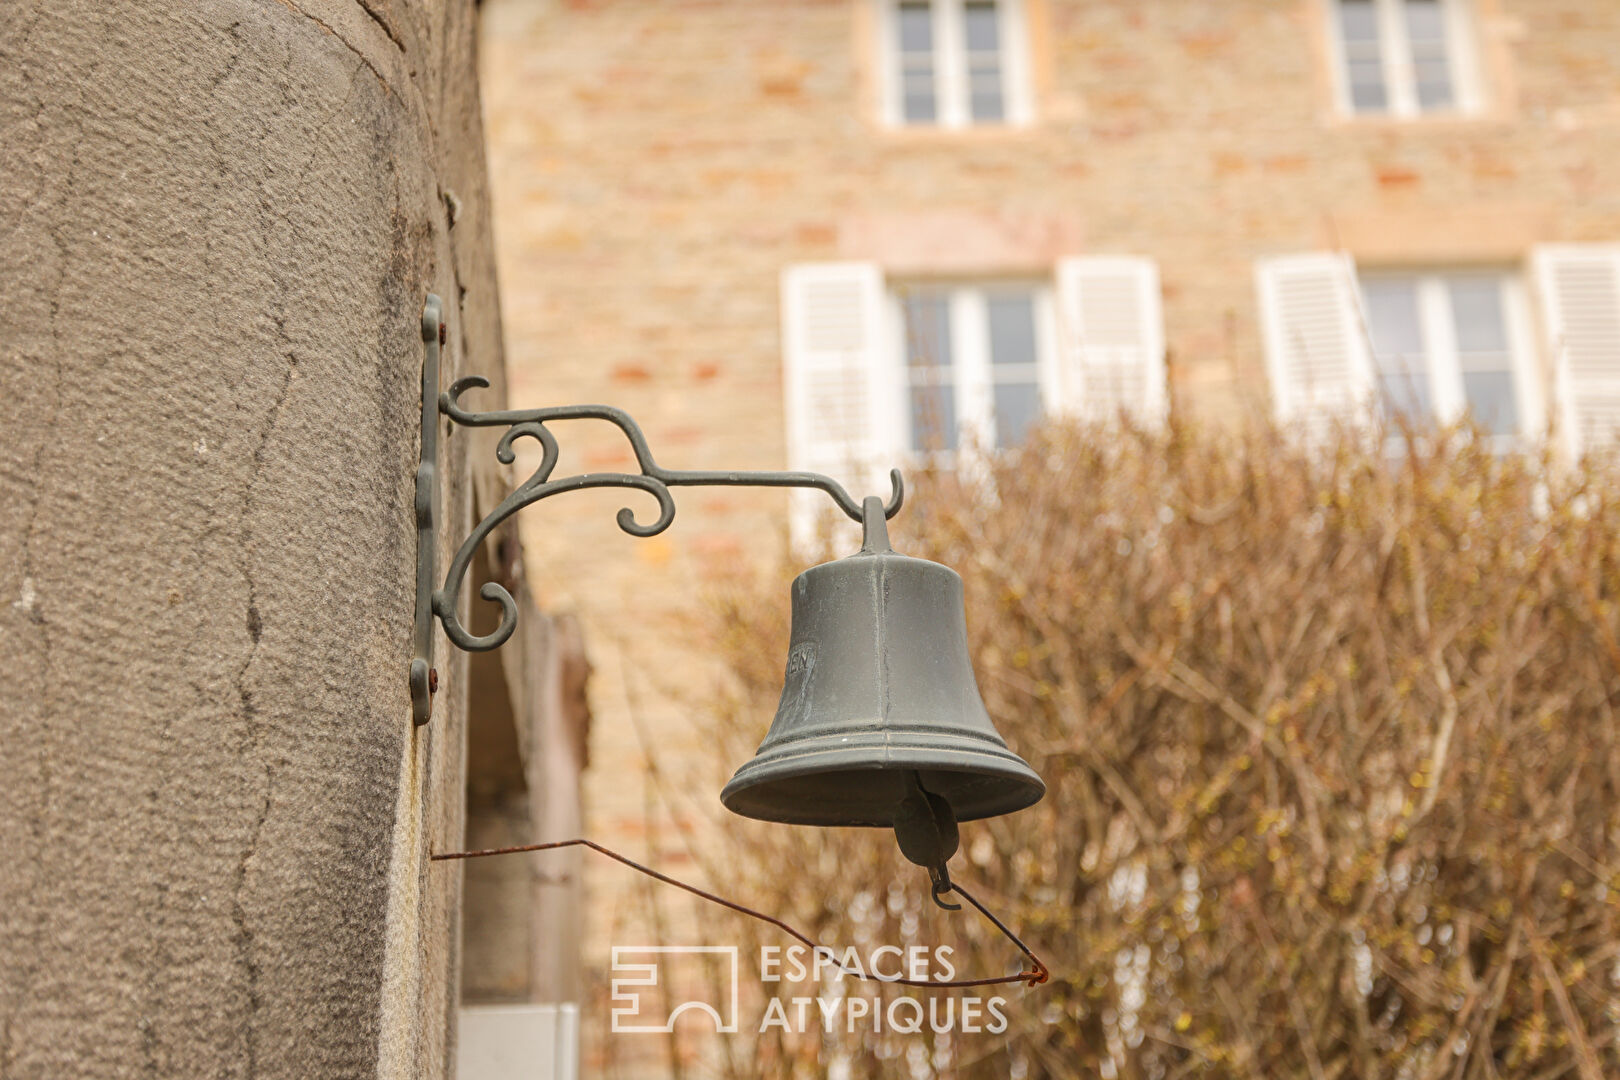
(656, 165)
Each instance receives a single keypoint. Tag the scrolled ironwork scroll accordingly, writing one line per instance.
(652, 478)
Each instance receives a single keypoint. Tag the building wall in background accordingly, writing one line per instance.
(657, 166)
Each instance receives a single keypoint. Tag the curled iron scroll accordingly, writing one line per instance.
(652, 479)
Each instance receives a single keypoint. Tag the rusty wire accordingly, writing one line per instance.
(1029, 977)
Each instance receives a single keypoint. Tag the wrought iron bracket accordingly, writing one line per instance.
(653, 479)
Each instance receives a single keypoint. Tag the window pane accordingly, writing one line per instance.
(1012, 327)
(1491, 400)
(1431, 64)
(916, 36)
(917, 102)
(1392, 316)
(1397, 340)
(1476, 308)
(1405, 394)
(1425, 21)
(927, 314)
(1434, 87)
(986, 101)
(983, 30)
(982, 27)
(933, 417)
(1483, 351)
(928, 328)
(1017, 405)
(916, 28)
(1363, 55)
(1358, 20)
(1367, 93)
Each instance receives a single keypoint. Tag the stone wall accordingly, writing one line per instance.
(219, 221)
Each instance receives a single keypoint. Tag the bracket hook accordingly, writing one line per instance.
(651, 478)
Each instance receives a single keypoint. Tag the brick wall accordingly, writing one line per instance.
(656, 165)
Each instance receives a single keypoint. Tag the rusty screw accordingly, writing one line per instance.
(443, 333)
(433, 680)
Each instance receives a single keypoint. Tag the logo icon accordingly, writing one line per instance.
(627, 1015)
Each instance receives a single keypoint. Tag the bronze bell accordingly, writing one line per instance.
(880, 721)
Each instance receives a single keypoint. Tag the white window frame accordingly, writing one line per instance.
(1400, 84)
(953, 106)
(972, 372)
(1441, 356)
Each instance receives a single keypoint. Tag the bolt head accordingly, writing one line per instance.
(433, 680)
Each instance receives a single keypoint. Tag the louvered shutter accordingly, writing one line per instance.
(1580, 297)
(1111, 329)
(840, 383)
(1317, 353)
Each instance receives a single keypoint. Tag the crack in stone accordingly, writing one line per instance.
(364, 59)
(387, 28)
(245, 939)
(324, 128)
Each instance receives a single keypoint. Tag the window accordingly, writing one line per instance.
(1403, 57)
(953, 63)
(1421, 347)
(1445, 343)
(875, 370)
(975, 359)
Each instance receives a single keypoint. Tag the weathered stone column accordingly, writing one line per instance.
(218, 221)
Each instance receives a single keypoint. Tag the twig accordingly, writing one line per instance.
(1442, 735)
(1307, 1043)
(1585, 1056)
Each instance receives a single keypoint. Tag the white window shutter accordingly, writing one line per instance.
(1111, 329)
(1580, 299)
(841, 385)
(1317, 353)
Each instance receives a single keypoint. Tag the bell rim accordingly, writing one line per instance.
(855, 755)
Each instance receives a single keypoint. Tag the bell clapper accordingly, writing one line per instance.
(925, 828)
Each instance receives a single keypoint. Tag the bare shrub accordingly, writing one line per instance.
(1332, 755)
